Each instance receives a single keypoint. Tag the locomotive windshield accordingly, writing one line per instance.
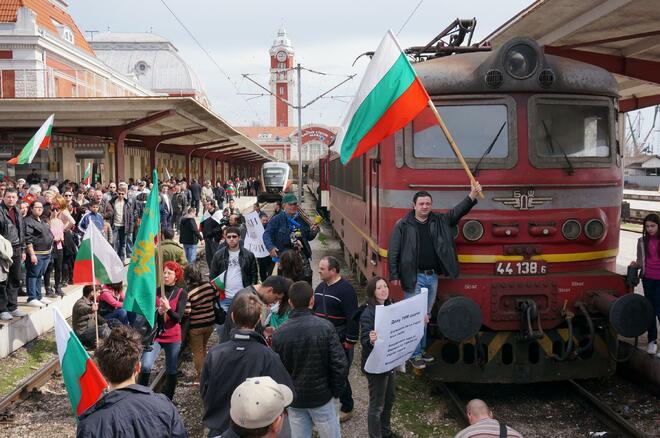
(474, 128)
(274, 176)
(572, 129)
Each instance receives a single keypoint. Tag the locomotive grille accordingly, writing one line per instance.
(546, 78)
(494, 78)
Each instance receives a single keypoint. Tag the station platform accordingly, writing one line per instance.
(19, 331)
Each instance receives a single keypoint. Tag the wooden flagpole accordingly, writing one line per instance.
(96, 312)
(451, 141)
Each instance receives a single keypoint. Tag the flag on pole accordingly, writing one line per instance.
(141, 290)
(389, 97)
(219, 285)
(108, 267)
(87, 179)
(40, 140)
(84, 382)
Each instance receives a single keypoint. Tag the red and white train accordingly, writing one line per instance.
(538, 298)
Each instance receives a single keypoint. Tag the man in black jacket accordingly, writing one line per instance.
(236, 262)
(228, 365)
(311, 352)
(128, 409)
(195, 194)
(12, 229)
(421, 248)
(211, 232)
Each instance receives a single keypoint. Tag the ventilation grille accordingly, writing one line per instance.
(494, 78)
(546, 78)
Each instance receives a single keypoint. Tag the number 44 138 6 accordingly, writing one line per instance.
(521, 268)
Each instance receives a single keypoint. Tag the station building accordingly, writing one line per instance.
(280, 138)
(125, 102)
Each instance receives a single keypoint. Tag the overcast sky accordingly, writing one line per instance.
(326, 35)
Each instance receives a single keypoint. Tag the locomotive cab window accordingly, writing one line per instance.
(483, 130)
(571, 133)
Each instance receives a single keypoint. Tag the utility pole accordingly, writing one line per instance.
(299, 107)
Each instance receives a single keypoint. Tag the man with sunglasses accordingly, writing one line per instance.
(289, 230)
(236, 264)
(122, 222)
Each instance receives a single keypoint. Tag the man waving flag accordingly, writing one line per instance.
(141, 290)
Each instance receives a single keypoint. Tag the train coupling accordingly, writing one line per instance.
(630, 315)
(528, 313)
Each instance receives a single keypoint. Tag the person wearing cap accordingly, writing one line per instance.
(228, 364)
(289, 230)
(258, 408)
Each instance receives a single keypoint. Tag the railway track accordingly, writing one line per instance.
(615, 423)
(25, 389)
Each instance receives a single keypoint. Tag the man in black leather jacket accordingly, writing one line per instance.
(12, 229)
(246, 260)
(421, 248)
(310, 351)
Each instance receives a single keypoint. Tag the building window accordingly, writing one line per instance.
(281, 91)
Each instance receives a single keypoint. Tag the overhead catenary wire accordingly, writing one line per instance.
(208, 54)
(409, 17)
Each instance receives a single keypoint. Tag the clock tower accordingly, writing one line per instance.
(281, 79)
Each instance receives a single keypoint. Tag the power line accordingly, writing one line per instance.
(206, 52)
(410, 16)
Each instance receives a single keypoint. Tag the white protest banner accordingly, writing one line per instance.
(254, 237)
(399, 328)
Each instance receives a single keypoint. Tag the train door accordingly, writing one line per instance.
(373, 201)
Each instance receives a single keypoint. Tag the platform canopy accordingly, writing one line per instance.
(621, 36)
(179, 125)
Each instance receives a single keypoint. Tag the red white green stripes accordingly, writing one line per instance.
(97, 262)
(87, 179)
(40, 140)
(389, 97)
(84, 382)
(219, 285)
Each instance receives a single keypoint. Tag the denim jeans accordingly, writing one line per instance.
(119, 241)
(129, 246)
(324, 418)
(120, 315)
(191, 252)
(35, 275)
(652, 293)
(171, 356)
(431, 283)
(381, 400)
(346, 396)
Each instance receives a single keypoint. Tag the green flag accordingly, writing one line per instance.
(141, 290)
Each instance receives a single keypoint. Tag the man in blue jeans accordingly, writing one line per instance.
(422, 248)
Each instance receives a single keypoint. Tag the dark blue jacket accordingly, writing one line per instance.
(278, 234)
(134, 411)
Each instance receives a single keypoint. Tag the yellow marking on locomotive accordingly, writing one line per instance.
(546, 344)
(494, 258)
(495, 345)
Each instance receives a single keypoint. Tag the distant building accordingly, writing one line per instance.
(281, 81)
(642, 171)
(150, 60)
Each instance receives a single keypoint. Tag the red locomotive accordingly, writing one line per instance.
(537, 298)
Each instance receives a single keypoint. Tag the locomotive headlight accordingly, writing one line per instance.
(594, 229)
(521, 61)
(571, 229)
(473, 230)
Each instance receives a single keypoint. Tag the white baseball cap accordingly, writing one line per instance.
(258, 402)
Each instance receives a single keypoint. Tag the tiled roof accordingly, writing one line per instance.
(46, 12)
(254, 132)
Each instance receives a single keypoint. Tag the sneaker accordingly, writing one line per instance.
(345, 416)
(418, 363)
(45, 301)
(652, 348)
(51, 294)
(427, 357)
(18, 313)
(5, 316)
(35, 303)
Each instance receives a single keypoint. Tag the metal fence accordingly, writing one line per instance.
(643, 181)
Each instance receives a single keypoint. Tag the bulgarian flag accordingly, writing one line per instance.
(97, 262)
(84, 382)
(219, 285)
(87, 179)
(41, 140)
(389, 97)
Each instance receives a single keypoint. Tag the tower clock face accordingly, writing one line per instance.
(281, 56)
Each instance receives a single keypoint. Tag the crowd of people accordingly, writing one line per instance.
(283, 344)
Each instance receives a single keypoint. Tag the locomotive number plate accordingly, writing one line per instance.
(521, 268)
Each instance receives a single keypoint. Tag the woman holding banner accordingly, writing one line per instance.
(381, 386)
